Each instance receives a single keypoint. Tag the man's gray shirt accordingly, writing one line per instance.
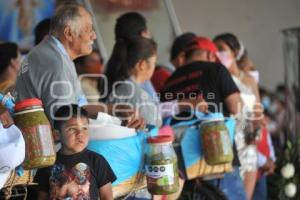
(46, 73)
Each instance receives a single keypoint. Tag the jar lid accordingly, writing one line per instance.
(28, 102)
(160, 139)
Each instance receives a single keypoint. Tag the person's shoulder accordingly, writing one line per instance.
(96, 160)
(125, 86)
(201, 65)
(249, 80)
(211, 68)
(45, 54)
(94, 155)
(43, 48)
(187, 68)
(218, 69)
(191, 65)
(214, 66)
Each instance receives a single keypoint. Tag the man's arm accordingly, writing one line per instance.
(127, 114)
(93, 109)
(105, 192)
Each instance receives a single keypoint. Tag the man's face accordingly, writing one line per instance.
(179, 60)
(74, 136)
(82, 43)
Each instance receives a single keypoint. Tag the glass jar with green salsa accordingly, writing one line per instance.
(215, 141)
(35, 127)
(161, 166)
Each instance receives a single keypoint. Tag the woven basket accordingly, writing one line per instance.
(203, 170)
(136, 182)
(15, 180)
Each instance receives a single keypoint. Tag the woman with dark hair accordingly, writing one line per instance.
(230, 52)
(131, 24)
(131, 64)
(10, 61)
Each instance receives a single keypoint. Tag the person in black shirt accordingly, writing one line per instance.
(202, 75)
(78, 173)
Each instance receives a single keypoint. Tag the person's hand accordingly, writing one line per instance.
(198, 104)
(135, 121)
(129, 116)
(268, 167)
(272, 168)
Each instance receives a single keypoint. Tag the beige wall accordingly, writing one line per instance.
(258, 23)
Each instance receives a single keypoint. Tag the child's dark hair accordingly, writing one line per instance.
(129, 25)
(66, 112)
(125, 56)
(8, 51)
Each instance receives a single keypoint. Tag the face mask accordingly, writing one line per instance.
(266, 101)
(273, 108)
(225, 59)
(255, 75)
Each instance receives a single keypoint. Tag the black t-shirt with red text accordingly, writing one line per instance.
(77, 176)
(212, 80)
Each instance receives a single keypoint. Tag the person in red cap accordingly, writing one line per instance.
(203, 75)
(200, 74)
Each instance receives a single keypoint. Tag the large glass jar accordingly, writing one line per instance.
(216, 143)
(35, 127)
(161, 166)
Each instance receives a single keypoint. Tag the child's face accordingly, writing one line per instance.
(74, 136)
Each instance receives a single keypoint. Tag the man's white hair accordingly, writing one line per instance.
(66, 15)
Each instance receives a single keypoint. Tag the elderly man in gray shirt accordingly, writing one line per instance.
(48, 72)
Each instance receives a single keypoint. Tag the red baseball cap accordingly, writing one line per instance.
(202, 43)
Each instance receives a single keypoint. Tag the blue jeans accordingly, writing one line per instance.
(260, 191)
(231, 185)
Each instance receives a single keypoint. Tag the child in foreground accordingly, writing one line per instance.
(78, 173)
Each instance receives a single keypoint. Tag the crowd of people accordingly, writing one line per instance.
(70, 78)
